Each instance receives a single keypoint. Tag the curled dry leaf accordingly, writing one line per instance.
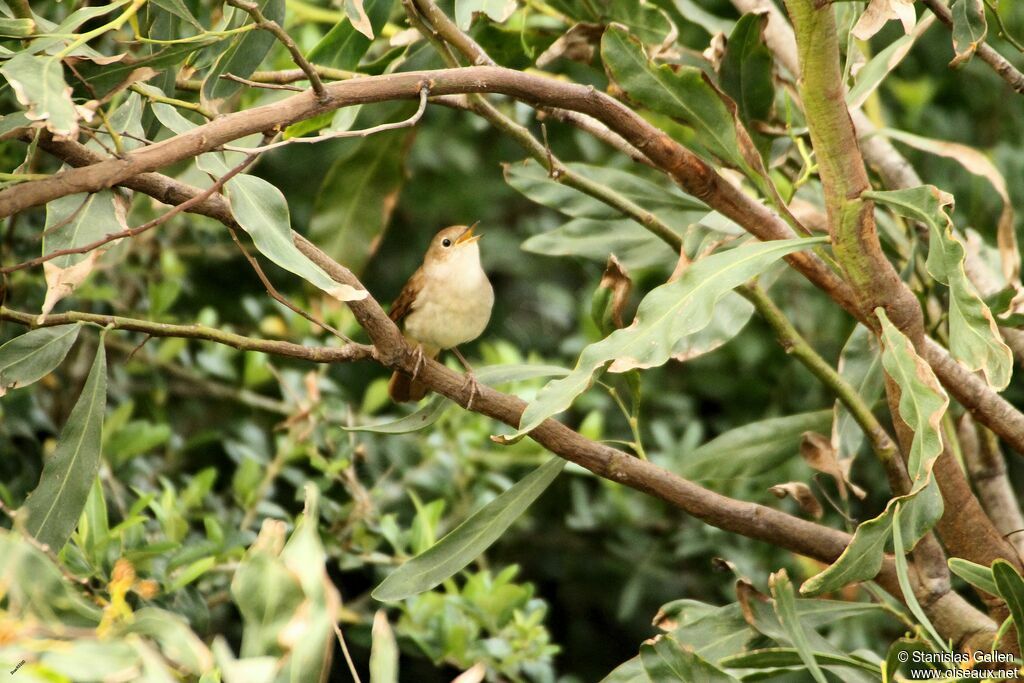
(879, 12)
(817, 452)
(61, 282)
(578, 44)
(715, 51)
(617, 281)
(801, 493)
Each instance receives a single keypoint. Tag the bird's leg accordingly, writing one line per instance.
(473, 385)
(419, 361)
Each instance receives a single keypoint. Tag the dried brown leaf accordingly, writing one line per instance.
(578, 44)
(801, 493)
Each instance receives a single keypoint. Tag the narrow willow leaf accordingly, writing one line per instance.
(979, 164)
(354, 204)
(922, 405)
(977, 575)
(666, 316)
(262, 211)
(383, 651)
(1011, 590)
(596, 238)
(35, 354)
(456, 550)
(52, 510)
(903, 577)
(974, 339)
(969, 28)
(244, 55)
(785, 609)
(778, 657)
(871, 75)
(684, 93)
(38, 83)
(666, 660)
(429, 414)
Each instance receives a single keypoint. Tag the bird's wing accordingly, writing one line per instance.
(404, 303)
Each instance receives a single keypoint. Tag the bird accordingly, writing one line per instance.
(447, 302)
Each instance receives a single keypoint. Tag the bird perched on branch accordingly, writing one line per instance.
(446, 302)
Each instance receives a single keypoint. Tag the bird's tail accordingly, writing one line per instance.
(402, 388)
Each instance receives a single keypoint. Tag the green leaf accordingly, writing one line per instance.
(871, 75)
(467, 541)
(666, 315)
(245, 53)
(903, 577)
(922, 405)
(38, 83)
(172, 633)
(355, 201)
(977, 575)
(780, 657)
(52, 510)
(753, 449)
(180, 10)
(974, 338)
(630, 671)
(1011, 590)
(666, 660)
(344, 45)
(79, 219)
(969, 28)
(785, 608)
(746, 70)
(495, 10)
(383, 651)
(686, 94)
(261, 210)
(30, 357)
(596, 238)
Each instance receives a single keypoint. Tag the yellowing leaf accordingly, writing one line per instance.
(974, 338)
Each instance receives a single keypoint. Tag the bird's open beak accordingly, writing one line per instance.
(468, 237)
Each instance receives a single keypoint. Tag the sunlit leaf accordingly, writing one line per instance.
(468, 540)
(31, 356)
(53, 508)
(262, 211)
(879, 12)
(496, 10)
(38, 83)
(974, 339)
(666, 315)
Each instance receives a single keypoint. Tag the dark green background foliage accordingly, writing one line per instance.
(202, 442)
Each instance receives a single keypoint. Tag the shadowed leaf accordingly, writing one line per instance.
(969, 28)
(52, 510)
(31, 356)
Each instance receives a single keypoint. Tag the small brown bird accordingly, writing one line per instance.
(446, 302)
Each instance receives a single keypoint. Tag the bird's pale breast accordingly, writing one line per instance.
(453, 307)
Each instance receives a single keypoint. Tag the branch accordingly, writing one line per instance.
(692, 174)
(984, 52)
(316, 354)
(274, 28)
(987, 468)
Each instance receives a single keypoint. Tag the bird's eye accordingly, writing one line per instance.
(446, 242)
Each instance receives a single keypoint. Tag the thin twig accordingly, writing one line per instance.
(255, 84)
(133, 232)
(344, 650)
(273, 27)
(407, 123)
